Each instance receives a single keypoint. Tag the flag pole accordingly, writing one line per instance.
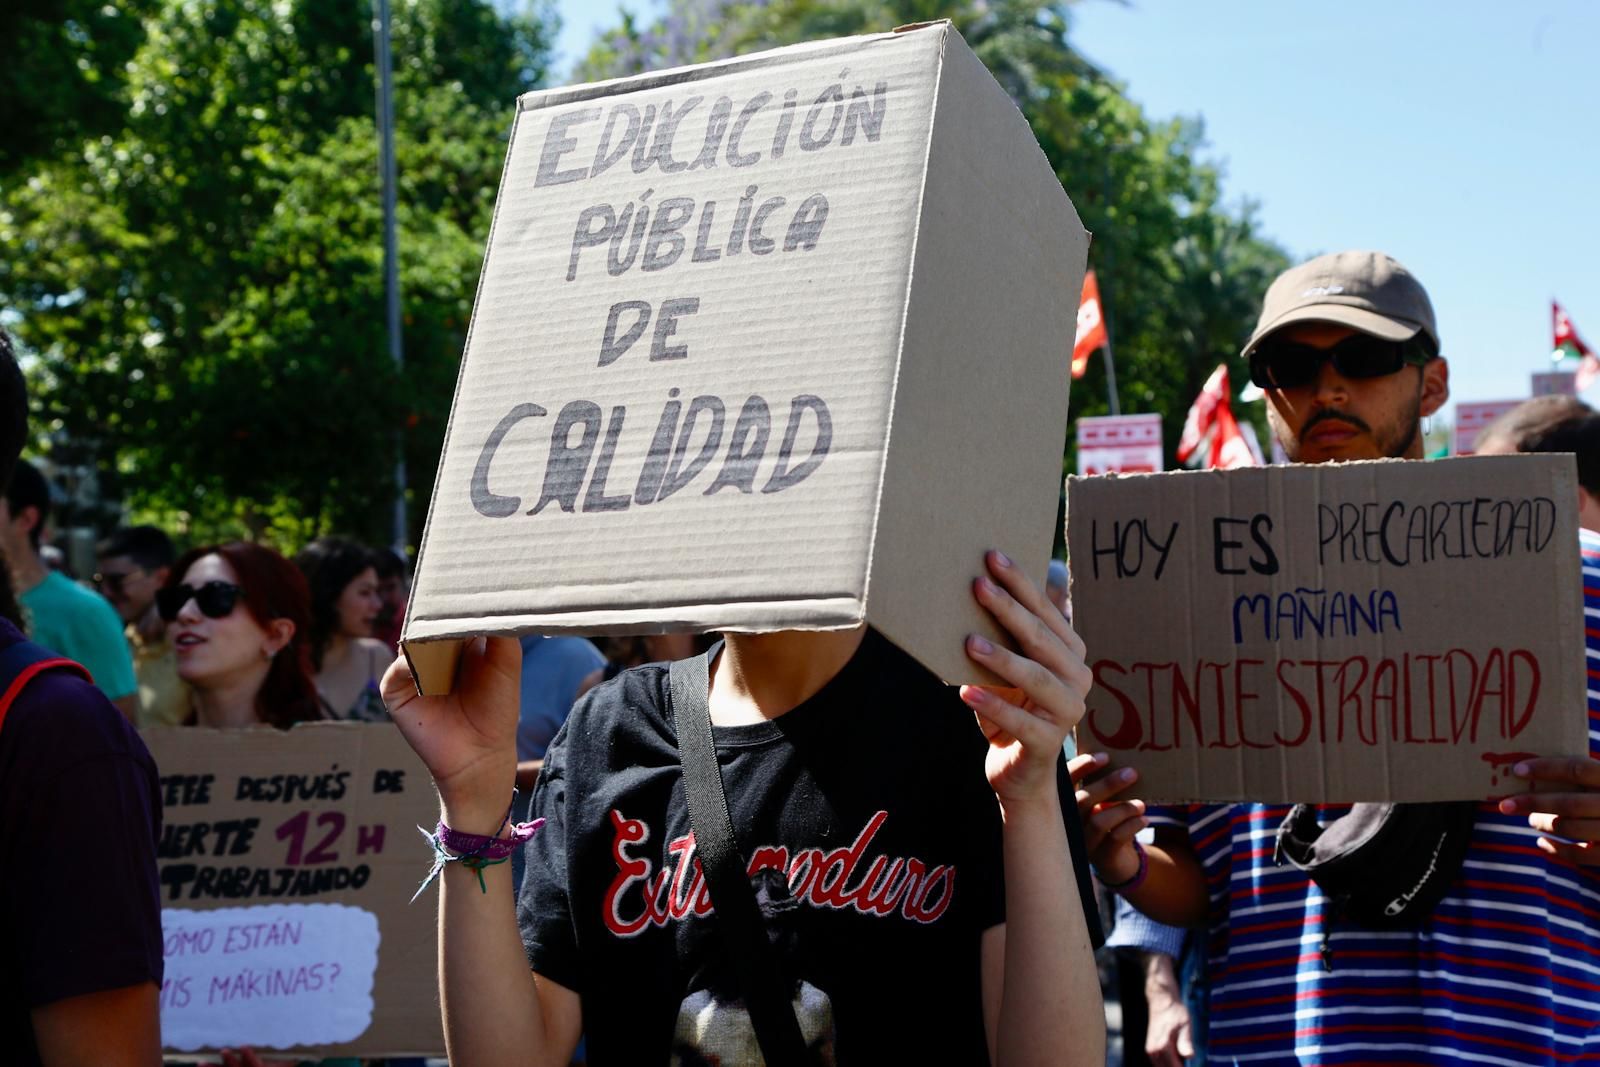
(1111, 365)
(391, 270)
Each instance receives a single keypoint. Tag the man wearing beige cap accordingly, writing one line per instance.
(1504, 968)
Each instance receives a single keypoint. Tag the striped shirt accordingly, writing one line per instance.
(1505, 971)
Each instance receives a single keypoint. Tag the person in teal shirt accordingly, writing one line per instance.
(62, 615)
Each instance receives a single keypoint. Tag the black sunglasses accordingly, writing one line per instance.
(215, 599)
(1283, 364)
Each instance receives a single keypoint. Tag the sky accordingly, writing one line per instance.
(1463, 138)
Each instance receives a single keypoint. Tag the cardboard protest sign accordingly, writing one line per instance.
(1344, 632)
(734, 326)
(1472, 418)
(288, 860)
(1125, 443)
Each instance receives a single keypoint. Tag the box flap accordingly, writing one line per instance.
(980, 404)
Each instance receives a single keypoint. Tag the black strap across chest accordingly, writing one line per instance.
(736, 914)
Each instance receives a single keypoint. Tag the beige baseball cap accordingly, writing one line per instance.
(1367, 291)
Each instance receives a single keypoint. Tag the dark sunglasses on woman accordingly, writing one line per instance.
(214, 599)
(1284, 364)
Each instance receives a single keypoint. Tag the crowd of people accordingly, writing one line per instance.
(916, 875)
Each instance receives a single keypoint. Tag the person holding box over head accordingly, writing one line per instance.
(832, 744)
(798, 847)
(1500, 968)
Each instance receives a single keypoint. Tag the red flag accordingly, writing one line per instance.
(1202, 417)
(1567, 342)
(1229, 446)
(1091, 326)
(1211, 420)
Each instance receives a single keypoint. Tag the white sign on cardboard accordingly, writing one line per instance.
(285, 857)
(1472, 417)
(1129, 444)
(273, 975)
(1342, 632)
(731, 323)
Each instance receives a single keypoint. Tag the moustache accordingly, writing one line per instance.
(1332, 416)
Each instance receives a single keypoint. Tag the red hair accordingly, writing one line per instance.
(273, 589)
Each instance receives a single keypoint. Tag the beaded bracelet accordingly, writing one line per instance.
(1138, 876)
(475, 851)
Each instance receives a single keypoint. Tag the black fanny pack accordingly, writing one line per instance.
(1382, 866)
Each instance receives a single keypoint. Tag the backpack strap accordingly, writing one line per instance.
(24, 660)
(739, 921)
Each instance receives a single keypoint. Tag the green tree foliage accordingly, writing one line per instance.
(1181, 273)
(194, 252)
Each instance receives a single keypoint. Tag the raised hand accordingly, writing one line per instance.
(468, 737)
(1573, 812)
(1109, 825)
(1027, 723)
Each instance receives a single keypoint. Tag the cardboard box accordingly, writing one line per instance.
(780, 342)
(288, 860)
(1353, 632)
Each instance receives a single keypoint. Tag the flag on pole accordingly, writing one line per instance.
(1091, 326)
(1211, 427)
(1569, 344)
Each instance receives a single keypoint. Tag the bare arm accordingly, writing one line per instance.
(1174, 889)
(1048, 1008)
(495, 1010)
(113, 1028)
(1168, 1041)
(1174, 892)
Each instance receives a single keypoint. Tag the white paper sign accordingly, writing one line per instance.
(273, 975)
(1129, 444)
(1471, 418)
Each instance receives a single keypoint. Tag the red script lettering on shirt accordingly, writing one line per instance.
(641, 897)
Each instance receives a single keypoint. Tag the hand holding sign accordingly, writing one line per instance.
(467, 738)
(1109, 825)
(1026, 726)
(1574, 814)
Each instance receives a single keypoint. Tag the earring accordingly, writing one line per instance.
(268, 653)
(1427, 425)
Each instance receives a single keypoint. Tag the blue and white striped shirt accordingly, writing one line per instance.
(1505, 972)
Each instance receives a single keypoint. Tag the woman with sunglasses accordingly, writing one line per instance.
(237, 615)
(347, 660)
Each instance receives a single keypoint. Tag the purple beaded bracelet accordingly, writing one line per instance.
(1138, 876)
(487, 847)
(475, 851)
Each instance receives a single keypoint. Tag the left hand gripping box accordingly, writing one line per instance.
(779, 342)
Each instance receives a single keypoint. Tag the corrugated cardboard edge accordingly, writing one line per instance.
(978, 139)
(905, 314)
(433, 650)
(633, 83)
(433, 666)
(836, 613)
(1565, 492)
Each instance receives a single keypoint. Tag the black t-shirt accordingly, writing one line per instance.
(870, 797)
(79, 815)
